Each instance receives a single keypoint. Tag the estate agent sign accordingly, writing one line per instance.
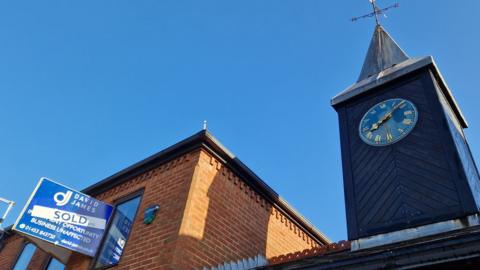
(64, 217)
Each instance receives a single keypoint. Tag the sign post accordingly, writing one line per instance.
(64, 217)
(10, 204)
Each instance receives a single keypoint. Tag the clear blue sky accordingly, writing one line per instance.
(90, 87)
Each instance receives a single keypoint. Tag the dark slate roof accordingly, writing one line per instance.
(451, 250)
(383, 53)
(207, 141)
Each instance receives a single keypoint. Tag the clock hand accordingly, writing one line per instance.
(397, 106)
(386, 117)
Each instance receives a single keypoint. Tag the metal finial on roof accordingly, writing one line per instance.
(376, 12)
(204, 124)
(383, 51)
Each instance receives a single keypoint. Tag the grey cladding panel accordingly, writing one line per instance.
(461, 144)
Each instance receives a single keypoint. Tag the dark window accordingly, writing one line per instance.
(25, 257)
(54, 264)
(117, 235)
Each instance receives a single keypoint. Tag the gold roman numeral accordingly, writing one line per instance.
(369, 135)
(389, 137)
(407, 121)
(378, 138)
(407, 112)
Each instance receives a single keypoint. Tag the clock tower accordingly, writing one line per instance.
(408, 171)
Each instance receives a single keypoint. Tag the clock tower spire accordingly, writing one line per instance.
(383, 53)
(407, 167)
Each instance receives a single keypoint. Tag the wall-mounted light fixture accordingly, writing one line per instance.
(150, 213)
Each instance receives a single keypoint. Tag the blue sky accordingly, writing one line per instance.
(89, 87)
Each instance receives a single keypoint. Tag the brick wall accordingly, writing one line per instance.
(13, 245)
(225, 220)
(207, 215)
(151, 246)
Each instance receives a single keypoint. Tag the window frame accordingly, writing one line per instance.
(116, 202)
(25, 243)
(50, 260)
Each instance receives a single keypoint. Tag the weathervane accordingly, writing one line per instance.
(376, 11)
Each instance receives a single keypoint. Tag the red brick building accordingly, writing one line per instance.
(212, 210)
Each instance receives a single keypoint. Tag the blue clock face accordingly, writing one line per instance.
(388, 122)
